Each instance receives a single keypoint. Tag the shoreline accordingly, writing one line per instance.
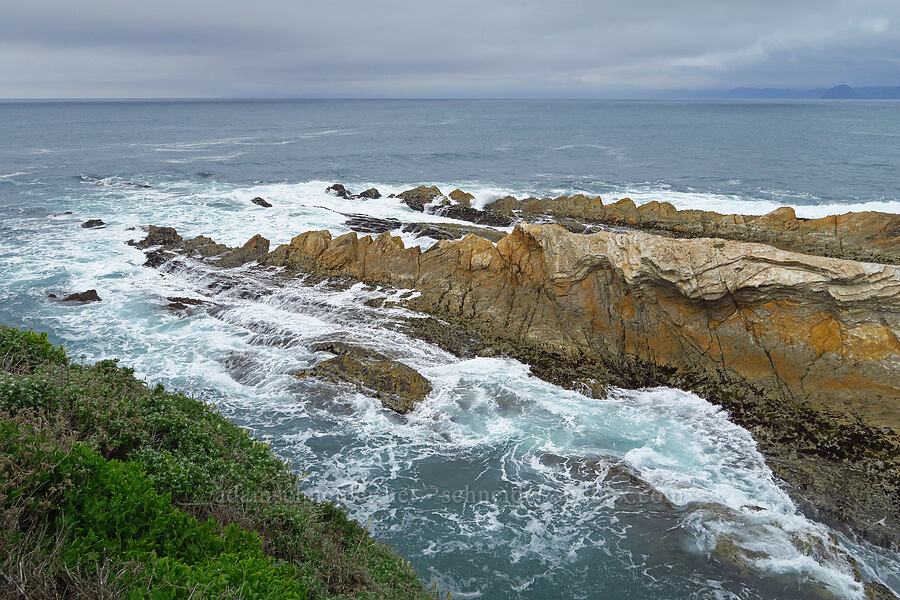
(843, 469)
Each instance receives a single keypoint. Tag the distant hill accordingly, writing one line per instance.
(840, 92)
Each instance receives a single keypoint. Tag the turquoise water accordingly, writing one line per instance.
(499, 485)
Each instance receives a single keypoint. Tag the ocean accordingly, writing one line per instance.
(500, 486)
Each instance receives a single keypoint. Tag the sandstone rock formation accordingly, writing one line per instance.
(801, 350)
(869, 236)
(799, 326)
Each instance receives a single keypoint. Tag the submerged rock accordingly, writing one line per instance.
(398, 386)
(261, 202)
(93, 223)
(86, 296)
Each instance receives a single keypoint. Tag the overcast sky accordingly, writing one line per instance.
(468, 48)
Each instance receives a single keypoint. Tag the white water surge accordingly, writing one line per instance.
(499, 485)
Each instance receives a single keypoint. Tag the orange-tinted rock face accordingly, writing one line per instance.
(801, 327)
(868, 236)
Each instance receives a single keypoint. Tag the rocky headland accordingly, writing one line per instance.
(801, 348)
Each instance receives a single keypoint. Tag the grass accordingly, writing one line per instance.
(113, 489)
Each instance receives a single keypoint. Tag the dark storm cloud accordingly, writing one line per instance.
(90, 48)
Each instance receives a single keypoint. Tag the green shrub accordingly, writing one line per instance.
(25, 392)
(21, 351)
(111, 487)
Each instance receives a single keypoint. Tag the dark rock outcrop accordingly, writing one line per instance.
(369, 194)
(473, 215)
(167, 244)
(398, 386)
(450, 231)
(338, 190)
(417, 198)
(87, 296)
(157, 236)
(93, 223)
(179, 303)
(261, 202)
(367, 224)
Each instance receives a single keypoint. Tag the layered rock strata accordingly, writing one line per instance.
(870, 236)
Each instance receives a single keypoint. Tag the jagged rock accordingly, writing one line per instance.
(92, 223)
(801, 350)
(157, 236)
(87, 296)
(418, 197)
(261, 202)
(370, 194)
(256, 248)
(868, 236)
(338, 190)
(461, 198)
(398, 386)
(795, 325)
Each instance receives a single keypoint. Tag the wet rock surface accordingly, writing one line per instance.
(338, 190)
(180, 303)
(93, 224)
(451, 231)
(157, 236)
(261, 202)
(369, 194)
(399, 387)
(418, 197)
(82, 297)
(367, 224)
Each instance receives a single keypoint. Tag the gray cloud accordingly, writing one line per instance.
(205, 48)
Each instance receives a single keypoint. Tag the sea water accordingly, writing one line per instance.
(499, 485)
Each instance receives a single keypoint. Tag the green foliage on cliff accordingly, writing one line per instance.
(109, 488)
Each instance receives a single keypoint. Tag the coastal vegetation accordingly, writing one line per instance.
(112, 488)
